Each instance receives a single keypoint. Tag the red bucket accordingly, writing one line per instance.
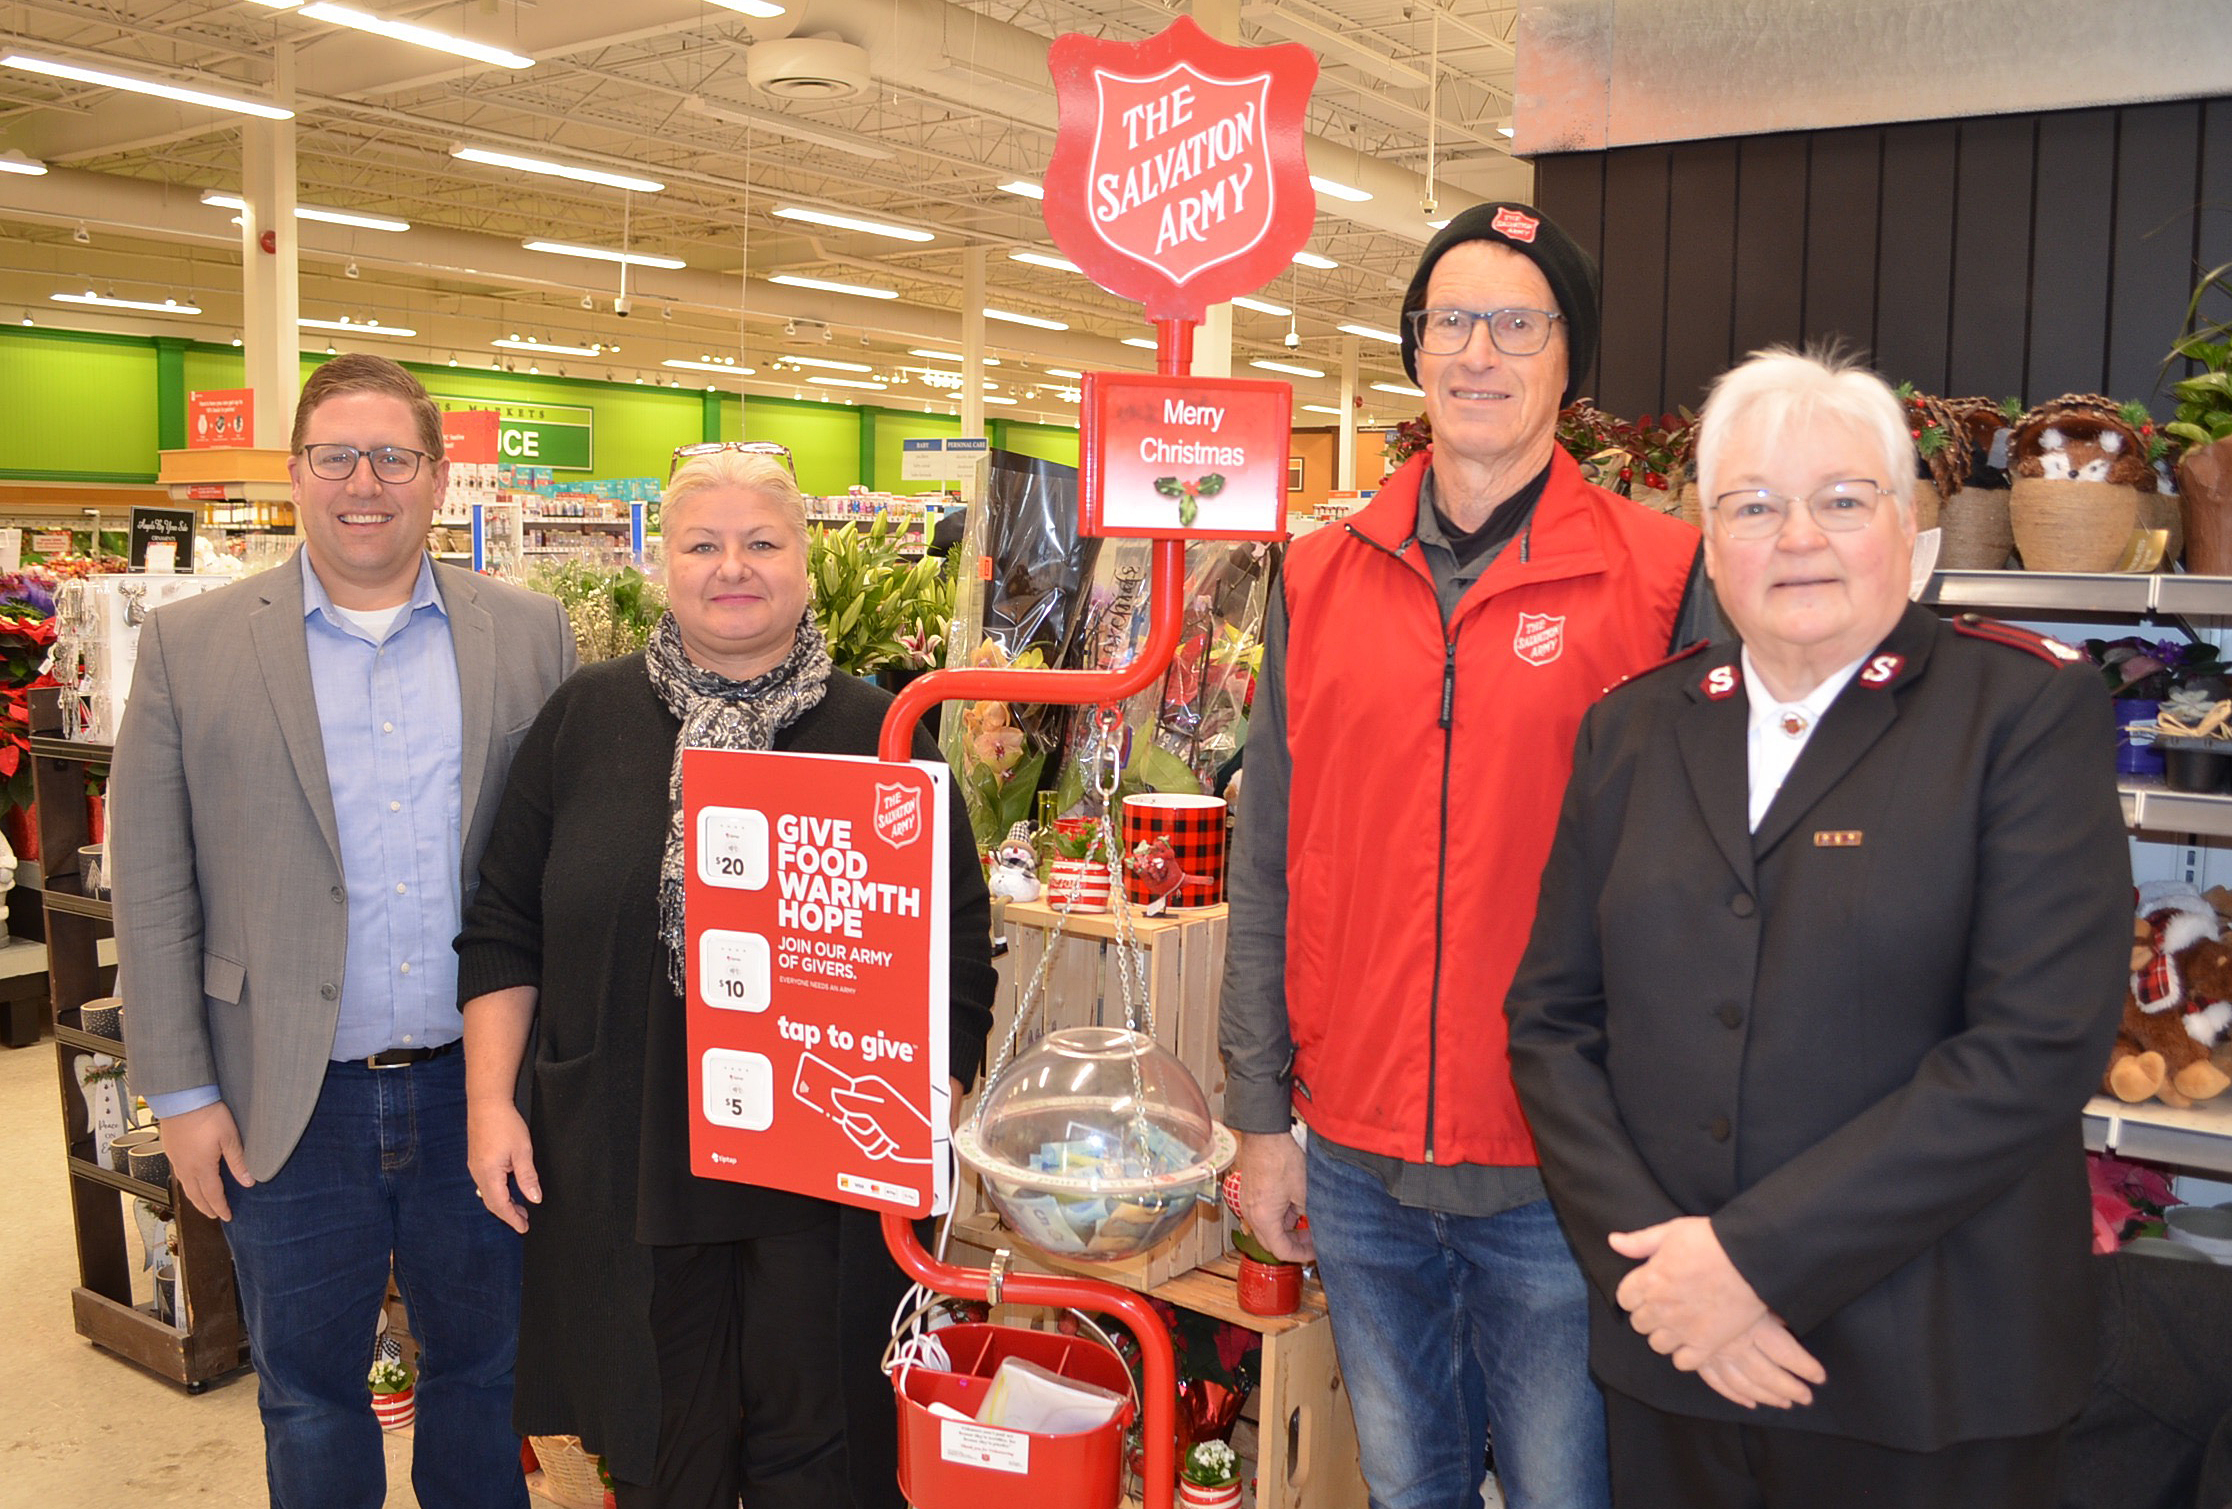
(954, 1464)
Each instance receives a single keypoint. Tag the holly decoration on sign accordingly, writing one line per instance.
(1190, 494)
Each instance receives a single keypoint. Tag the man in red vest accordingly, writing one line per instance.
(1426, 666)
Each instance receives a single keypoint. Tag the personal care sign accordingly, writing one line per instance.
(1184, 457)
(1179, 177)
(816, 892)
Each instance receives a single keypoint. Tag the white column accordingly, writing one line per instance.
(271, 295)
(1212, 353)
(1344, 474)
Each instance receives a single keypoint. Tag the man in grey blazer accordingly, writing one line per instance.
(303, 784)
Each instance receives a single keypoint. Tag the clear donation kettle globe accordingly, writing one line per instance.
(1095, 1144)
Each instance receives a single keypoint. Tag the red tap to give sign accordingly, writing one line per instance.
(1179, 177)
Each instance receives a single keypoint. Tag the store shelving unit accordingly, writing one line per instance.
(210, 1340)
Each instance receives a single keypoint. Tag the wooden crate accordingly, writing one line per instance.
(1184, 972)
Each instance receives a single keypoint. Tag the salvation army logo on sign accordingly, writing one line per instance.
(1178, 177)
(898, 814)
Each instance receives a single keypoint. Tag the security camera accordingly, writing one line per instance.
(1293, 339)
(350, 271)
(81, 235)
(828, 335)
(621, 306)
(1426, 205)
(790, 327)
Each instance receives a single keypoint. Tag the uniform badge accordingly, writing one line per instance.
(1539, 639)
(1880, 669)
(1515, 224)
(1721, 682)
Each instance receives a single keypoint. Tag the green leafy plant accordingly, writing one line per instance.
(878, 608)
(2205, 399)
(390, 1375)
(612, 613)
(1250, 1247)
(1211, 1464)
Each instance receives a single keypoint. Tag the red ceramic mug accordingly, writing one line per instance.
(1195, 828)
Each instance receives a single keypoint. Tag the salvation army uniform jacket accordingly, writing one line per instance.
(1857, 1039)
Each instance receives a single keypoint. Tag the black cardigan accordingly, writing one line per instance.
(567, 902)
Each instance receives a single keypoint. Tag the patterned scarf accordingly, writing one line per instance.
(718, 713)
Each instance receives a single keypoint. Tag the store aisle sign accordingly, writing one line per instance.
(470, 436)
(220, 419)
(816, 899)
(938, 459)
(556, 435)
(1184, 457)
(1179, 176)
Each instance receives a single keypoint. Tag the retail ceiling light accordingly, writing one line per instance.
(946, 356)
(604, 254)
(1320, 408)
(1009, 316)
(1398, 388)
(1023, 187)
(110, 301)
(13, 161)
(851, 223)
(823, 285)
(825, 363)
(495, 159)
(995, 398)
(849, 382)
(514, 343)
(313, 212)
(1440, 225)
(1372, 333)
(1264, 306)
(1063, 372)
(1046, 259)
(1287, 367)
(107, 79)
(1312, 259)
(726, 369)
(417, 36)
(1338, 190)
(764, 10)
(360, 327)
(1141, 342)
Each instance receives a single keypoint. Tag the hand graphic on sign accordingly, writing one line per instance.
(874, 1115)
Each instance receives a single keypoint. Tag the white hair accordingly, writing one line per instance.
(1782, 389)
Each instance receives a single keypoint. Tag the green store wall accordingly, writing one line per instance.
(89, 407)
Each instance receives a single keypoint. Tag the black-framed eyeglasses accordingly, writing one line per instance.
(1754, 513)
(775, 448)
(392, 464)
(1515, 332)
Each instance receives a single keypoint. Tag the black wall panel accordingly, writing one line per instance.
(2026, 255)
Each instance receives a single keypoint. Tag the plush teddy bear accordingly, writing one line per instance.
(2177, 1006)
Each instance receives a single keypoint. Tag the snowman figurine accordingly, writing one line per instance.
(1014, 872)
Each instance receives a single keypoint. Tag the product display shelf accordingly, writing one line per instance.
(2198, 1137)
(2112, 594)
(210, 1341)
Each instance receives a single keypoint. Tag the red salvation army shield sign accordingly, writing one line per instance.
(1179, 177)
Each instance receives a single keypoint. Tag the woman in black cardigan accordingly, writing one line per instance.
(658, 1309)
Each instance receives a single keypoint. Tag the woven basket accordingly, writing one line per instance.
(2159, 511)
(1689, 505)
(1976, 534)
(1928, 505)
(2071, 526)
(569, 1473)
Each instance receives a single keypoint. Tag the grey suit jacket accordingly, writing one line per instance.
(231, 917)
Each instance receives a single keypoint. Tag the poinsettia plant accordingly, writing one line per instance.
(26, 640)
(2128, 1200)
(1407, 440)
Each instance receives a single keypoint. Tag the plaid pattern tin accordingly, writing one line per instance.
(1195, 827)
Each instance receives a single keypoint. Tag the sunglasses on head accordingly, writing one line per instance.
(773, 448)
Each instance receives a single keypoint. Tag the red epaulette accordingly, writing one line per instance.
(2051, 650)
(1676, 658)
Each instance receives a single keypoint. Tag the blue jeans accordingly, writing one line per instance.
(1448, 1327)
(380, 1170)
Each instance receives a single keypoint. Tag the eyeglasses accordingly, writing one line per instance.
(773, 448)
(1515, 332)
(392, 464)
(1837, 508)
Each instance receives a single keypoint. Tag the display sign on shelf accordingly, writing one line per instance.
(156, 527)
(1183, 457)
(933, 459)
(220, 419)
(816, 923)
(1179, 176)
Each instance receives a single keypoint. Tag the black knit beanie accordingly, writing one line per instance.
(1571, 271)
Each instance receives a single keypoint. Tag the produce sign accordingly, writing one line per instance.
(1180, 457)
(1179, 177)
(815, 911)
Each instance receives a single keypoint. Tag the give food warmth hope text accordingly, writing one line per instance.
(824, 879)
(1197, 154)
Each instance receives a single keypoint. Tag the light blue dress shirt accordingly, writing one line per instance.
(393, 728)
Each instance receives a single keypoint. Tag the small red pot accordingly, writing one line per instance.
(1194, 1496)
(1269, 1288)
(394, 1411)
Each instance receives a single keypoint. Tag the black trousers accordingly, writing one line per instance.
(1667, 1461)
(752, 1377)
